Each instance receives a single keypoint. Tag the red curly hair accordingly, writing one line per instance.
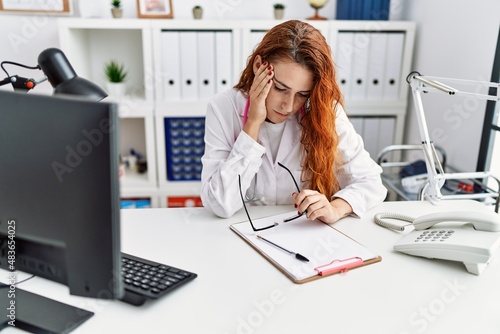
(302, 43)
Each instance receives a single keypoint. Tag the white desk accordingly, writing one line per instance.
(238, 291)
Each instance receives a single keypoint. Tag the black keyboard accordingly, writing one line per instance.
(144, 279)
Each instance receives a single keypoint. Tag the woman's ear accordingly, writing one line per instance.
(257, 62)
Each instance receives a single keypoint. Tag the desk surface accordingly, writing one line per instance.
(238, 291)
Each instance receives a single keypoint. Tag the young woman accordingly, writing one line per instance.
(287, 110)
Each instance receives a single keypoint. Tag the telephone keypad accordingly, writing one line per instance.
(434, 235)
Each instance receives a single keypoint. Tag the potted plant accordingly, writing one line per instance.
(197, 12)
(116, 9)
(279, 11)
(116, 76)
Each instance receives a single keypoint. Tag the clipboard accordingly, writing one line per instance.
(329, 251)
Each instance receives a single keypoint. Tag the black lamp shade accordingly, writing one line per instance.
(63, 78)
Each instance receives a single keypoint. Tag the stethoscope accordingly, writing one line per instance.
(253, 198)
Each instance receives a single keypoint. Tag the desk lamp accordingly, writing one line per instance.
(59, 72)
(435, 172)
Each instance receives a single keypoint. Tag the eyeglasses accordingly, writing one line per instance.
(298, 190)
(248, 215)
(275, 224)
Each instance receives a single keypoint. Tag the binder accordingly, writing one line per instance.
(368, 8)
(357, 123)
(361, 59)
(170, 66)
(378, 133)
(224, 60)
(256, 37)
(356, 9)
(371, 135)
(344, 54)
(329, 251)
(206, 64)
(376, 71)
(387, 126)
(394, 59)
(189, 65)
(384, 12)
(342, 11)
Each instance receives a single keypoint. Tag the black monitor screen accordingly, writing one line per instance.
(59, 191)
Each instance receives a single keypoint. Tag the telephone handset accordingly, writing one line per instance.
(473, 243)
(483, 221)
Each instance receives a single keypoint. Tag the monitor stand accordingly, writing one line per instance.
(37, 314)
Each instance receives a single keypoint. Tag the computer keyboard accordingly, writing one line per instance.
(144, 279)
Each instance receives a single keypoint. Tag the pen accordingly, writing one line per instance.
(297, 255)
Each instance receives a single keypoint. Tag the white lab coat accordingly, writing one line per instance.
(230, 152)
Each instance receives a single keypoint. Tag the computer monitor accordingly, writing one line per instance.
(59, 192)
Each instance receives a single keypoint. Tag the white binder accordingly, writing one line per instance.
(371, 135)
(357, 123)
(361, 58)
(387, 125)
(376, 71)
(223, 60)
(206, 64)
(171, 66)
(189, 65)
(256, 37)
(378, 132)
(343, 56)
(394, 59)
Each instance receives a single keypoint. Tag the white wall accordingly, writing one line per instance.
(22, 38)
(455, 38)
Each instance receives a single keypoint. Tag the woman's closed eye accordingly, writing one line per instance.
(282, 88)
(300, 95)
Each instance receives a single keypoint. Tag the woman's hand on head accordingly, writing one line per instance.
(257, 112)
(319, 207)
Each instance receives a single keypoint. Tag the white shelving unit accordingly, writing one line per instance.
(140, 44)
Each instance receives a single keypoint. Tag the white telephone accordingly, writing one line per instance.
(473, 243)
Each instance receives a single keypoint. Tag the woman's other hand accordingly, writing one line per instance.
(319, 207)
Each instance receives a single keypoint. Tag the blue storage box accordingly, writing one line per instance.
(185, 145)
(363, 9)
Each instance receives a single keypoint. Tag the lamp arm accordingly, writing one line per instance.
(434, 183)
(432, 84)
(5, 81)
(59, 72)
(426, 84)
(19, 83)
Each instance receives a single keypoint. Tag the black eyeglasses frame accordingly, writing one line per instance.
(286, 220)
(248, 215)
(275, 224)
